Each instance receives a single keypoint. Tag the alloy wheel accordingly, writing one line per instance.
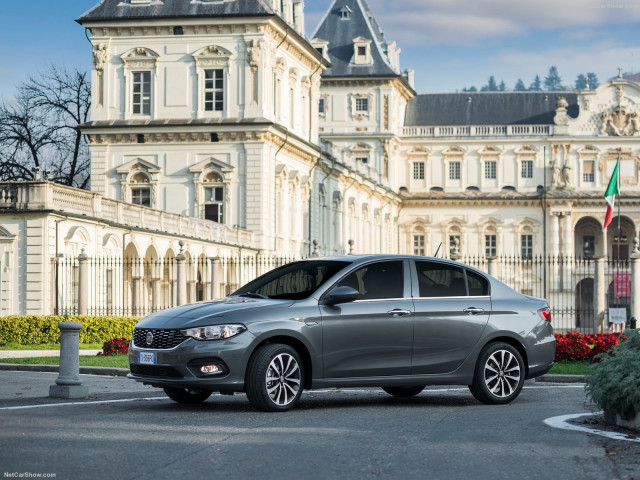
(502, 373)
(283, 379)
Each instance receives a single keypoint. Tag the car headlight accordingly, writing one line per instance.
(214, 332)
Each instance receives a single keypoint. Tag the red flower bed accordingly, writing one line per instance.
(576, 346)
(114, 346)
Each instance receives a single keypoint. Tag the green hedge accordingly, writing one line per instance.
(37, 329)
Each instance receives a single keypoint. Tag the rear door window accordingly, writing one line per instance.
(441, 280)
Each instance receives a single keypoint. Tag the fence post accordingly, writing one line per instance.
(181, 276)
(215, 277)
(492, 266)
(68, 384)
(635, 282)
(83, 283)
(600, 293)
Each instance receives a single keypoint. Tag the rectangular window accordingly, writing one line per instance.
(588, 171)
(141, 196)
(362, 51)
(141, 93)
(588, 246)
(527, 169)
(214, 90)
(526, 247)
(362, 159)
(490, 170)
(214, 204)
(418, 171)
(490, 245)
(454, 171)
(418, 244)
(322, 106)
(362, 104)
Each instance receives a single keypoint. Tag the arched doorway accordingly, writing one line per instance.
(620, 234)
(588, 238)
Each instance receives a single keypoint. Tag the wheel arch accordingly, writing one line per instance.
(515, 344)
(299, 347)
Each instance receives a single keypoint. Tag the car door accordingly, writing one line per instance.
(452, 308)
(372, 336)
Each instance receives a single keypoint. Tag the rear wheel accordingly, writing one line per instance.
(274, 378)
(499, 375)
(187, 395)
(404, 392)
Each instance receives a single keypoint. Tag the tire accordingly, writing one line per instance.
(275, 379)
(186, 395)
(499, 375)
(404, 392)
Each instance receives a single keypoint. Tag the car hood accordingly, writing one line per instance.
(209, 312)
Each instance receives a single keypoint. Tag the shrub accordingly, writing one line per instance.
(575, 346)
(613, 383)
(115, 346)
(37, 329)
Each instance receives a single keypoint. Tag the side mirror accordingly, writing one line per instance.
(341, 295)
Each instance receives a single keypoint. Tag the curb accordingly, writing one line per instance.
(561, 379)
(106, 371)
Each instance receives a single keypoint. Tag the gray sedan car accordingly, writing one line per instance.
(389, 321)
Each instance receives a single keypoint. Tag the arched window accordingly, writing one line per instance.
(214, 195)
(140, 190)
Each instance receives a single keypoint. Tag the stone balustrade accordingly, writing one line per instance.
(478, 131)
(25, 196)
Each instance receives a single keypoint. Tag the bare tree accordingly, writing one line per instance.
(39, 130)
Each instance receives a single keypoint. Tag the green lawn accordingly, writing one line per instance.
(570, 368)
(115, 361)
(48, 346)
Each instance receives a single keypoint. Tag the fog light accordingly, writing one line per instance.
(208, 369)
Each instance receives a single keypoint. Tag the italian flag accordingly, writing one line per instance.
(610, 195)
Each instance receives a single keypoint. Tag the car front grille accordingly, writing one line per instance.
(154, 371)
(162, 339)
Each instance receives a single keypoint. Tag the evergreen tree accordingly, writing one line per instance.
(492, 85)
(581, 82)
(552, 81)
(502, 87)
(536, 85)
(593, 80)
(519, 87)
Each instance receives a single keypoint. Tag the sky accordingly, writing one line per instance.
(451, 44)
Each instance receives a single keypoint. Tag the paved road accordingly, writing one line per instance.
(441, 434)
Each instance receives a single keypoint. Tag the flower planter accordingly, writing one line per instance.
(618, 421)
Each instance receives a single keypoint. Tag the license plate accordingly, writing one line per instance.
(147, 358)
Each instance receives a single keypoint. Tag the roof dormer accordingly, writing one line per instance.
(321, 46)
(362, 51)
(345, 13)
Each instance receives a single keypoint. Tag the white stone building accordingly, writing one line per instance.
(224, 125)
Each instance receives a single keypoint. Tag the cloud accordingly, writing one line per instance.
(456, 22)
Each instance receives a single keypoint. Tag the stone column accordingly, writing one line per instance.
(492, 266)
(600, 289)
(68, 384)
(555, 251)
(181, 279)
(567, 251)
(136, 296)
(157, 294)
(216, 275)
(83, 283)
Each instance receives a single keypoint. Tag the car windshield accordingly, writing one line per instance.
(293, 281)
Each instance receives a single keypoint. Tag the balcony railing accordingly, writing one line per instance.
(478, 131)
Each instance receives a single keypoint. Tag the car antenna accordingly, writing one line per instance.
(436, 254)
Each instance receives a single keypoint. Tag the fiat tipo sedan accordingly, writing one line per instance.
(395, 322)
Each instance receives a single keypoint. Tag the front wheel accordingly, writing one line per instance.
(274, 378)
(404, 392)
(186, 395)
(499, 374)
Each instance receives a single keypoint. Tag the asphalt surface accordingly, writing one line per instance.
(129, 431)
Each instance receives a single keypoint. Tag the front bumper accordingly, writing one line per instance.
(179, 366)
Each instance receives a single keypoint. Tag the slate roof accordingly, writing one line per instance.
(125, 10)
(340, 34)
(487, 108)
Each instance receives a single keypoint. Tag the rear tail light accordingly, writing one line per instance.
(545, 313)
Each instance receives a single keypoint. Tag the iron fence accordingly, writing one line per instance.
(583, 293)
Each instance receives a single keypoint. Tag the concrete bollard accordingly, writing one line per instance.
(68, 384)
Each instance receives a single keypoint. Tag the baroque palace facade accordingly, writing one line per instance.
(221, 125)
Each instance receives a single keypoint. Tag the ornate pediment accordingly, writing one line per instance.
(212, 56)
(620, 122)
(140, 57)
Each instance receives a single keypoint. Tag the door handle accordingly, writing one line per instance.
(473, 311)
(398, 312)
